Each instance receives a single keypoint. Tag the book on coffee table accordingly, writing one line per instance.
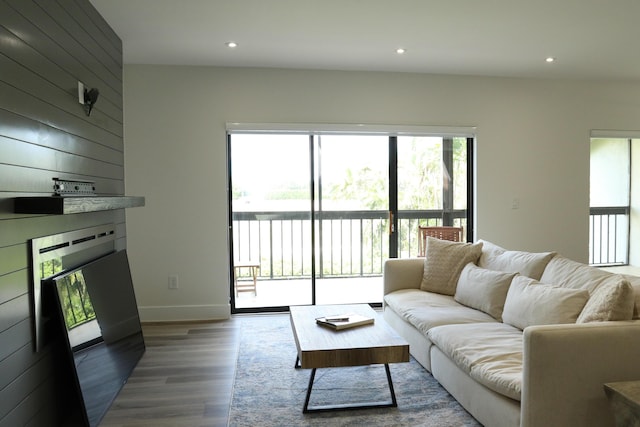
(344, 321)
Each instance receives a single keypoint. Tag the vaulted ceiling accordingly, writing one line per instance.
(593, 39)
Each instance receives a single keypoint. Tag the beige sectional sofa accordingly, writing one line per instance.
(518, 338)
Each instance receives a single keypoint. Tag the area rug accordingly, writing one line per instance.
(269, 391)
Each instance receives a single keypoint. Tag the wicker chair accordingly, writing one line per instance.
(453, 234)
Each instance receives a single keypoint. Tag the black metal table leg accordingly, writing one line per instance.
(342, 407)
(309, 387)
(394, 402)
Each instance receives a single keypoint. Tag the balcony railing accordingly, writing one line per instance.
(356, 243)
(609, 236)
(348, 243)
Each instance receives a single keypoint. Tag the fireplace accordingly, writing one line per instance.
(86, 309)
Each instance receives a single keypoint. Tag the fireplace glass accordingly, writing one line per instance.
(98, 315)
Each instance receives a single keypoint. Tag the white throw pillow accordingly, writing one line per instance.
(530, 264)
(444, 260)
(484, 290)
(610, 301)
(530, 302)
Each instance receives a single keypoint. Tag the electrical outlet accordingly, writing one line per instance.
(173, 281)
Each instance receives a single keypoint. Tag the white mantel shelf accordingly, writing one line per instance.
(64, 205)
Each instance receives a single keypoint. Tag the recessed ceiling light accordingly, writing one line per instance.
(401, 50)
(231, 44)
(550, 59)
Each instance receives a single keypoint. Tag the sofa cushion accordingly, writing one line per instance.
(610, 301)
(491, 353)
(567, 273)
(444, 260)
(483, 289)
(530, 264)
(403, 301)
(425, 310)
(531, 303)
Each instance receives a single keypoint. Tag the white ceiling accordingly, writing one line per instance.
(590, 38)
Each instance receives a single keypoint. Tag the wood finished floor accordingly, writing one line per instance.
(184, 379)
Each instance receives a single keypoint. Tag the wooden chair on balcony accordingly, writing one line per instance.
(453, 234)
(246, 286)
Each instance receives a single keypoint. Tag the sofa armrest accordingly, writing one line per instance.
(402, 273)
(566, 366)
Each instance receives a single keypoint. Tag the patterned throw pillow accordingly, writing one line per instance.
(610, 301)
(444, 260)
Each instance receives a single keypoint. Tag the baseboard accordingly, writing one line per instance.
(184, 313)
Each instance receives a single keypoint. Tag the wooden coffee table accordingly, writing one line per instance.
(321, 347)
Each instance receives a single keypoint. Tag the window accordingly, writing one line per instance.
(610, 201)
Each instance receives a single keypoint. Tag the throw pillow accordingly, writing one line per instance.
(610, 301)
(484, 290)
(634, 281)
(444, 260)
(530, 302)
(530, 264)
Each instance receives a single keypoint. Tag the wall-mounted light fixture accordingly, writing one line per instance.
(88, 98)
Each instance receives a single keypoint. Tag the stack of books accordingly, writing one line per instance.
(344, 321)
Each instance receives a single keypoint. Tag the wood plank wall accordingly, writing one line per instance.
(46, 47)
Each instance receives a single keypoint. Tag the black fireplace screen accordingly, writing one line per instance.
(93, 308)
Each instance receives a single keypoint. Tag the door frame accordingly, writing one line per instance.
(393, 200)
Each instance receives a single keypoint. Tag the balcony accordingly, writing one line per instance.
(351, 247)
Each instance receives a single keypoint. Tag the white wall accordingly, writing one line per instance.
(532, 144)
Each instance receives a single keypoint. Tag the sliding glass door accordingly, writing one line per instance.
(313, 216)
(352, 211)
(270, 226)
